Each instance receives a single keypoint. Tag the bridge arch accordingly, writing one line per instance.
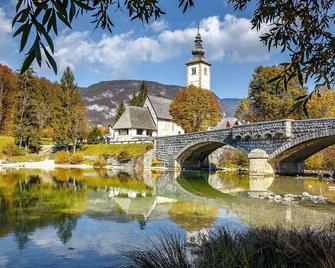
(289, 158)
(195, 154)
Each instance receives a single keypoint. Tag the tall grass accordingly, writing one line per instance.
(169, 251)
(254, 247)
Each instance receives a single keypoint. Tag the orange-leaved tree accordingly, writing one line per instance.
(195, 109)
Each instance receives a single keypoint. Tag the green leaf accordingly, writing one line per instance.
(83, 5)
(47, 37)
(274, 79)
(24, 15)
(72, 12)
(52, 23)
(300, 76)
(51, 60)
(18, 5)
(46, 16)
(28, 61)
(64, 19)
(25, 35)
(18, 31)
(17, 17)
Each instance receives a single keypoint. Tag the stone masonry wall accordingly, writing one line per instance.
(268, 136)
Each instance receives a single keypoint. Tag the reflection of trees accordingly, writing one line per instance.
(228, 182)
(27, 203)
(65, 227)
(22, 231)
(64, 174)
(31, 199)
(193, 216)
(97, 179)
(320, 188)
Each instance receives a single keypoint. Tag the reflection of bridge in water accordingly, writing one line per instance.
(168, 189)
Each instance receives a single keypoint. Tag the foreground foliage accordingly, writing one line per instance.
(254, 247)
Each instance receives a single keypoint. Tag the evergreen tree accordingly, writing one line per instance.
(138, 100)
(120, 110)
(26, 125)
(134, 100)
(143, 94)
(70, 121)
(95, 136)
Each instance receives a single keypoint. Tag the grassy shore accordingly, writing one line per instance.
(133, 150)
(113, 149)
(255, 247)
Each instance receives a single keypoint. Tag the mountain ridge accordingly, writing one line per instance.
(101, 99)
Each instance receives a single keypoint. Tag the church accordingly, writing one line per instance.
(154, 119)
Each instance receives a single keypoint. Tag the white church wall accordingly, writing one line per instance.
(168, 128)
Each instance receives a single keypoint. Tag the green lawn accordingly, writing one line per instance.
(22, 158)
(27, 158)
(113, 149)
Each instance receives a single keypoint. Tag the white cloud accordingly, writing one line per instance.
(230, 38)
(6, 41)
(5, 29)
(159, 25)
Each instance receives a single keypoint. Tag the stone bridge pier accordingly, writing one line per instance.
(272, 147)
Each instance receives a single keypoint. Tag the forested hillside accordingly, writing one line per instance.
(32, 108)
(102, 99)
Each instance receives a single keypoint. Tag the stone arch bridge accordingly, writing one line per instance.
(276, 146)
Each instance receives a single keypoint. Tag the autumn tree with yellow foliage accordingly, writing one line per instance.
(322, 106)
(269, 101)
(195, 109)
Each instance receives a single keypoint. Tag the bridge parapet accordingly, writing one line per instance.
(263, 130)
(312, 126)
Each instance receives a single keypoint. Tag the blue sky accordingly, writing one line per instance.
(157, 51)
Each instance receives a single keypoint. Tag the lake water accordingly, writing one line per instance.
(90, 218)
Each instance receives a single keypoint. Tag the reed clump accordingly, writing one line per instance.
(254, 247)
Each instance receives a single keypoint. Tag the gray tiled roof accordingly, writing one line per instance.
(161, 107)
(196, 59)
(135, 117)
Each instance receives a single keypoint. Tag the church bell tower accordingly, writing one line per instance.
(198, 69)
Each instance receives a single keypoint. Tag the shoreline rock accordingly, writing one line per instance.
(288, 198)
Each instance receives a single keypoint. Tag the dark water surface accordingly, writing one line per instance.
(89, 218)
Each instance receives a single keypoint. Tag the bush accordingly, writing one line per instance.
(149, 147)
(47, 132)
(10, 149)
(124, 156)
(155, 162)
(100, 162)
(76, 158)
(62, 157)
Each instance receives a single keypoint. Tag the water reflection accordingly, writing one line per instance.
(98, 213)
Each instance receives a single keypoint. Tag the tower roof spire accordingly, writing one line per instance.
(198, 47)
(198, 51)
